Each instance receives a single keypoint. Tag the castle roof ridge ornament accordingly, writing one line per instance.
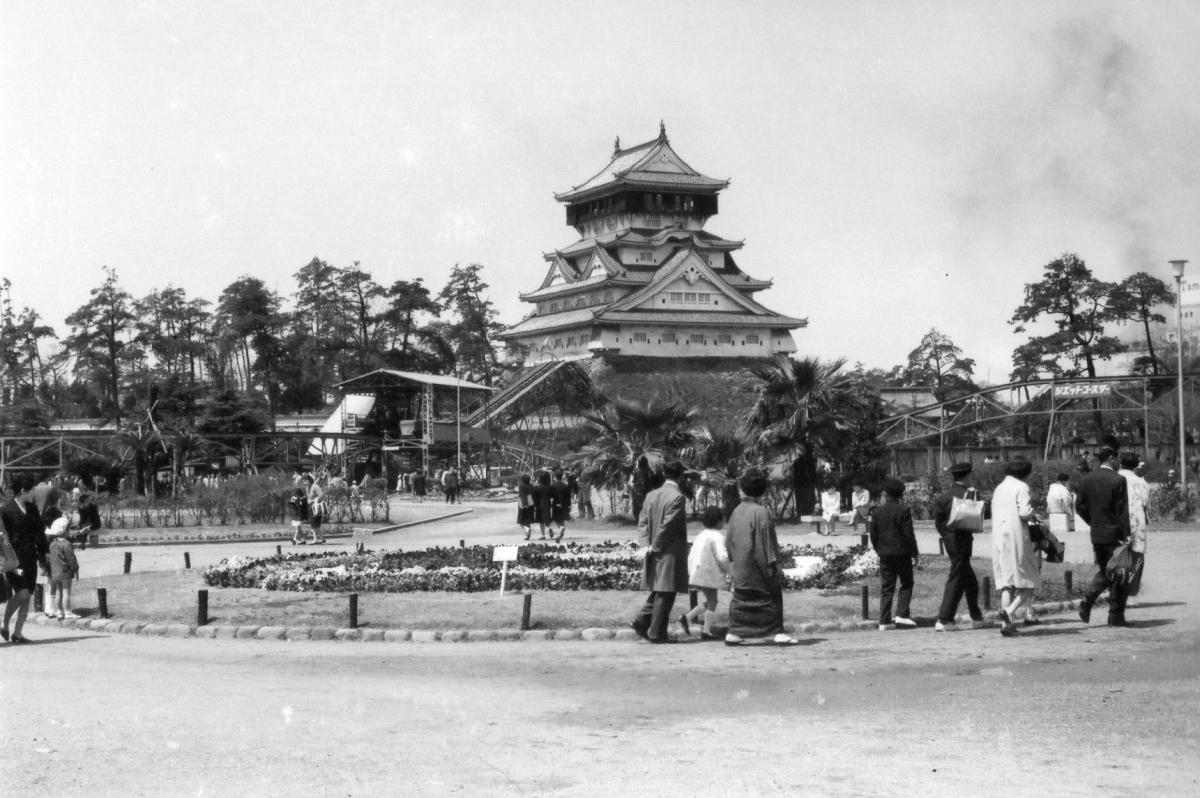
(617, 146)
(662, 131)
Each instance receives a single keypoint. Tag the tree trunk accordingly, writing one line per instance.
(1150, 344)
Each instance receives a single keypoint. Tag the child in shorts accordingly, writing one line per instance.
(63, 568)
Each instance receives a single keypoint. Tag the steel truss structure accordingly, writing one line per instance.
(1141, 407)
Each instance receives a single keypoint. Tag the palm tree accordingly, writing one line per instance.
(633, 438)
(806, 410)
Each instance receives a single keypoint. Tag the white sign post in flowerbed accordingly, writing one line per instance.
(504, 555)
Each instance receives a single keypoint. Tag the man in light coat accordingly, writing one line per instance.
(662, 526)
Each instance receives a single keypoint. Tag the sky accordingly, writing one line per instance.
(894, 167)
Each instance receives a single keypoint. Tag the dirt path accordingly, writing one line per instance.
(1063, 709)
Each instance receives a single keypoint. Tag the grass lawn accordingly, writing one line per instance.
(170, 597)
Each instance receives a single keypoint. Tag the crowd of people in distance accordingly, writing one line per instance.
(416, 484)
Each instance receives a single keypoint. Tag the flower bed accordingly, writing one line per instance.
(575, 566)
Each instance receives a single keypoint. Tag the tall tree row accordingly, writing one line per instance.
(177, 357)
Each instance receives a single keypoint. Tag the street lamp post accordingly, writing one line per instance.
(458, 417)
(1178, 266)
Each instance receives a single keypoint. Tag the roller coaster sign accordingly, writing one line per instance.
(1083, 390)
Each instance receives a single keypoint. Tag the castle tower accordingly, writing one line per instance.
(645, 279)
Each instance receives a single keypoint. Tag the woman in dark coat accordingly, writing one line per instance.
(525, 506)
(756, 607)
(543, 500)
(21, 522)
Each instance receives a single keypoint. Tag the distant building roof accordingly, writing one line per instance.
(648, 166)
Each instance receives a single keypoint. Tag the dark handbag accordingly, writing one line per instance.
(1038, 532)
(1120, 565)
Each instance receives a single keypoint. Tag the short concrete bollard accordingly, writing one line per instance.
(526, 609)
(201, 607)
(353, 610)
(187, 561)
(279, 551)
(128, 561)
(102, 601)
(1068, 580)
(862, 540)
(866, 602)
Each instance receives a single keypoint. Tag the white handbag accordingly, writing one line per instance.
(966, 514)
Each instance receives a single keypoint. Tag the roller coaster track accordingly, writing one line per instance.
(512, 393)
(1035, 398)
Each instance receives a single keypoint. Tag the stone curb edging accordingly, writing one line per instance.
(369, 635)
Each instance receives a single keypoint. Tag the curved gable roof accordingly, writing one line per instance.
(648, 165)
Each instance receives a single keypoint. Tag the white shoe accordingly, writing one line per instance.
(784, 640)
(909, 622)
(886, 627)
(70, 615)
(945, 627)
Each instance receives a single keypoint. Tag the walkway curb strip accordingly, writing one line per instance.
(592, 633)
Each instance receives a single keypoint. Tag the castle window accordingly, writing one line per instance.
(579, 302)
(668, 338)
(554, 307)
(702, 298)
(645, 257)
(676, 296)
(571, 341)
(696, 338)
(608, 296)
(640, 337)
(689, 297)
(558, 343)
(752, 339)
(724, 338)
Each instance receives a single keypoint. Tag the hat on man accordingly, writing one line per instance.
(960, 470)
(893, 487)
(58, 527)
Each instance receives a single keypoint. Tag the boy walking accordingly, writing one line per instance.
(893, 540)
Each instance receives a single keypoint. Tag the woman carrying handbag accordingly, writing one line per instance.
(1015, 559)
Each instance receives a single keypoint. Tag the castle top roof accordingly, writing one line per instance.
(650, 166)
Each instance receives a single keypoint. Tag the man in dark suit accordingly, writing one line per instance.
(961, 581)
(1103, 503)
(662, 525)
(28, 538)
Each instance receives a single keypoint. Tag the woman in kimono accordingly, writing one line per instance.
(756, 607)
(1015, 560)
(1139, 497)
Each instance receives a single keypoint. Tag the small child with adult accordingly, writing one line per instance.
(708, 572)
(62, 568)
(298, 507)
(893, 539)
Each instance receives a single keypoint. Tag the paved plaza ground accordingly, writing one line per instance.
(1063, 709)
